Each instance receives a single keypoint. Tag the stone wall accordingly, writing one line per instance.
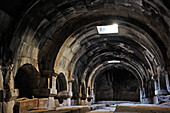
(117, 85)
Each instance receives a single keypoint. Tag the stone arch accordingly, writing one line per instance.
(26, 80)
(138, 74)
(116, 84)
(61, 83)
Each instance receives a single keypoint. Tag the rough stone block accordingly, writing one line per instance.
(144, 109)
(4, 107)
(57, 104)
(84, 110)
(25, 104)
(42, 102)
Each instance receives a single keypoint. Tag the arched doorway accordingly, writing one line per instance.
(116, 84)
(26, 79)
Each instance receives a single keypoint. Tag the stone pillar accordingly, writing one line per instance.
(87, 95)
(160, 85)
(167, 83)
(8, 94)
(167, 76)
(1, 79)
(156, 87)
(80, 95)
(143, 98)
(69, 92)
(93, 96)
(89, 98)
(141, 95)
(1, 89)
(53, 92)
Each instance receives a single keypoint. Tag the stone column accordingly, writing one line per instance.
(69, 92)
(167, 82)
(156, 87)
(143, 98)
(89, 98)
(160, 84)
(1, 79)
(87, 95)
(1, 89)
(80, 95)
(53, 92)
(9, 93)
(93, 96)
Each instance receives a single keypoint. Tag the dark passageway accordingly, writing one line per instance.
(117, 84)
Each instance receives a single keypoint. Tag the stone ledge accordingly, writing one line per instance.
(142, 109)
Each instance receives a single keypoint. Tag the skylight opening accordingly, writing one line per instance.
(113, 61)
(108, 29)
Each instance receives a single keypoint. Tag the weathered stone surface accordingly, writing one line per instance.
(63, 95)
(74, 109)
(168, 52)
(1, 79)
(43, 102)
(24, 104)
(7, 106)
(45, 92)
(1, 107)
(5, 21)
(144, 109)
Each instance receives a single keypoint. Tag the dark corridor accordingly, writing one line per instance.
(117, 84)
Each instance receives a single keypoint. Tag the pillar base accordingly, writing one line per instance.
(162, 98)
(51, 102)
(161, 92)
(146, 101)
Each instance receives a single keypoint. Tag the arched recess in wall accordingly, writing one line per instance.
(61, 83)
(132, 72)
(116, 84)
(26, 80)
(61, 86)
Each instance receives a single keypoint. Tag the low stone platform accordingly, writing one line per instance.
(118, 107)
(141, 109)
(68, 109)
(71, 109)
(105, 110)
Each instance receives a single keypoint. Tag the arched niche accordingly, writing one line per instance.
(26, 80)
(116, 84)
(61, 83)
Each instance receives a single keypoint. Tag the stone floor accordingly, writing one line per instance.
(107, 107)
(131, 107)
(68, 109)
